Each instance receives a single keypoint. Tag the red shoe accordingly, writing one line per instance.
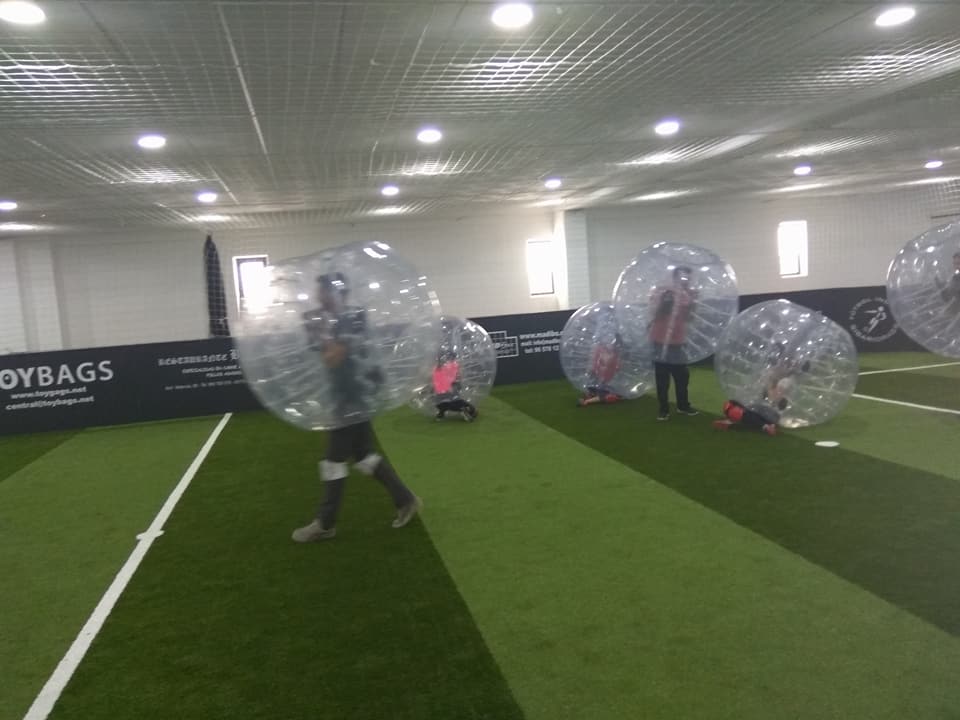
(611, 398)
(770, 429)
(722, 424)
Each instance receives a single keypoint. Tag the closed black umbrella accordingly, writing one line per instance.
(216, 296)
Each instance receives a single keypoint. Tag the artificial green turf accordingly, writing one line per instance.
(228, 618)
(17, 451)
(603, 594)
(936, 387)
(887, 527)
(68, 521)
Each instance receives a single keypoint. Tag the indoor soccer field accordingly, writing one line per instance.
(570, 562)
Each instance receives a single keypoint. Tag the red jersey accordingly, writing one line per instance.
(606, 363)
(669, 326)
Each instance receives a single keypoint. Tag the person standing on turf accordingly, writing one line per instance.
(338, 333)
(668, 332)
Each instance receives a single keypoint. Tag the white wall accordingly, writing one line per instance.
(12, 333)
(852, 239)
(116, 289)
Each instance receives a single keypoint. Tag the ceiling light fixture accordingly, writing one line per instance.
(802, 170)
(211, 218)
(21, 12)
(895, 16)
(553, 183)
(429, 135)
(667, 127)
(151, 142)
(665, 194)
(207, 197)
(14, 227)
(934, 165)
(511, 16)
(389, 190)
(389, 210)
(7, 205)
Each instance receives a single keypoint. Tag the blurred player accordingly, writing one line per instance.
(338, 333)
(668, 332)
(446, 388)
(950, 290)
(605, 365)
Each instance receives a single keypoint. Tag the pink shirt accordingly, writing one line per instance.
(444, 377)
(671, 328)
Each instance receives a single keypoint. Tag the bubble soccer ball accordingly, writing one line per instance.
(596, 358)
(678, 297)
(790, 364)
(333, 339)
(465, 366)
(923, 289)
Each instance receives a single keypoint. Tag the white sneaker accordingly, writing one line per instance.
(407, 512)
(313, 532)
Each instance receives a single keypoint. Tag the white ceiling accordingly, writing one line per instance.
(298, 112)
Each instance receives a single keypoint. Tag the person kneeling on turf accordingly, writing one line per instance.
(606, 364)
(446, 387)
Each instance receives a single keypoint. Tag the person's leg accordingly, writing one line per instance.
(681, 381)
(333, 472)
(370, 462)
(662, 372)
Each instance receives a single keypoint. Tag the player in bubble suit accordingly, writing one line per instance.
(338, 332)
(446, 387)
(668, 332)
(950, 290)
(764, 414)
(605, 366)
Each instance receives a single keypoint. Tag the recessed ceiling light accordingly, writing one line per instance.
(553, 183)
(207, 197)
(389, 190)
(21, 12)
(511, 16)
(211, 218)
(895, 16)
(429, 135)
(667, 127)
(802, 170)
(151, 142)
(7, 205)
(934, 165)
(13, 227)
(662, 195)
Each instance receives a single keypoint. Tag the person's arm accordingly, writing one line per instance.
(334, 353)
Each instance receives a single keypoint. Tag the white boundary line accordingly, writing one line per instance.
(907, 404)
(918, 367)
(43, 704)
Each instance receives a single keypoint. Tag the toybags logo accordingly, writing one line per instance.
(872, 321)
(53, 386)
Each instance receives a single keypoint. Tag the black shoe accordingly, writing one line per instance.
(663, 416)
(691, 411)
(440, 415)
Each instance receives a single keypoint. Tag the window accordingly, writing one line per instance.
(249, 278)
(792, 248)
(540, 260)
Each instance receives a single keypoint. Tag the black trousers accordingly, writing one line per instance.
(681, 381)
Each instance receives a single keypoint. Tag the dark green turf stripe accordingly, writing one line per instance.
(227, 618)
(891, 529)
(18, 451)
(914, 387)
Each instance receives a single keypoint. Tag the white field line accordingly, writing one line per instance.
(909, 405)
(906, 369)
(44, 702)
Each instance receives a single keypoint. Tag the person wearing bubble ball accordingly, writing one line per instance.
(950, 290)
(668, 332)
(446, 386)
(338, 333)
(605, 366)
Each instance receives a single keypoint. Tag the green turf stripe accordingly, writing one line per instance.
(605, 595)
(68, 521)
(18, 451)
(228, 618)
(890, 529)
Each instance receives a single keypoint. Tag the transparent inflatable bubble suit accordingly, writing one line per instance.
(596, 357)
(468, 354)
(923, 289)
(792, 365)
(678, 297)
(335, 338)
